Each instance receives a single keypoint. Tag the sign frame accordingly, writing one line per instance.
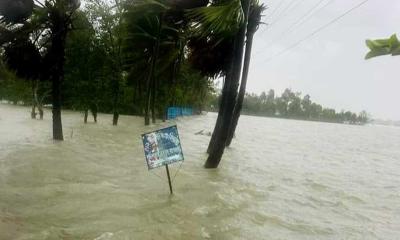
(149, 167)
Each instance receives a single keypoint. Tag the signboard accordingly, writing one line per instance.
(162, 147)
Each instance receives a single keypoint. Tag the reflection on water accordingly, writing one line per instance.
(281, 179)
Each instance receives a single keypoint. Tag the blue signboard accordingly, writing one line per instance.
(162, 147)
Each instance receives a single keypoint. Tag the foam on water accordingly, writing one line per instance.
(280, 179)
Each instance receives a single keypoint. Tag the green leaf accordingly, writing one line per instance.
(372, 44)
(383, 47)
(377, 52)
(394, 42)
(396, 52)
(220, 19)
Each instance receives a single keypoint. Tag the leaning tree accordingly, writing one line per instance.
(238, 16)
(254, 20)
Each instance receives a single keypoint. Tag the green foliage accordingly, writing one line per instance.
(292, 105)
(109, 52)
(24, 58)
(100, 41)
(255, 15)
(12, 88)
(222, 19)
(84, 60)
(379, 47)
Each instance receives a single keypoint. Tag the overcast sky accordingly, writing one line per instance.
(330, 66)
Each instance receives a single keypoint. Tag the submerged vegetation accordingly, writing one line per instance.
(293, 105)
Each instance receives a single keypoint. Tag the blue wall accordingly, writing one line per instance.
(174, 112)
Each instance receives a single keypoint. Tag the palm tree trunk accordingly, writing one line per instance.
(222, 104)
(150, 78)
(229, 95)
(57, 53)
(242, 90)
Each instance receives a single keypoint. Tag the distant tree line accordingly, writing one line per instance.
(293, 105)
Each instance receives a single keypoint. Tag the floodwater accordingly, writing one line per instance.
(281, 179)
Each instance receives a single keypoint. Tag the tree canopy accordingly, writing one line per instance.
(293, 105)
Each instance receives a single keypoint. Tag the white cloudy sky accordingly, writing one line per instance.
(330, 66)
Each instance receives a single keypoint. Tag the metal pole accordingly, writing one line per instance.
(169, 179)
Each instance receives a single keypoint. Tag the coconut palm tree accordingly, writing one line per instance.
(254, 21)
(229, 94)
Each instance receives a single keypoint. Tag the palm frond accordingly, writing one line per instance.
(256, 10)
(220, 19)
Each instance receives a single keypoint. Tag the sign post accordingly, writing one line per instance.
(169, 179)
(161, 148)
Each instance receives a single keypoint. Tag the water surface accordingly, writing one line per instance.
(281, 179)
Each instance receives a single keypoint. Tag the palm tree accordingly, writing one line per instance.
(60, 13)
(211, 49)
(229, 94)
(254, 21)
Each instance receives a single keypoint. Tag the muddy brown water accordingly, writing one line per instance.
(281, 179)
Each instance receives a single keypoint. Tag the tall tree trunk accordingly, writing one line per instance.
(175, 70)
(150, 77)
(136, 98)
(242, 90)
(148, 94)
(85, 116)
(229, 94)
(34, 99)
(33, 111)
(40, 107)
(57, 53)
(94, 110)
(153, 100)
(164, 113)
(221, 108)
(115, 117)
(116, 100)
